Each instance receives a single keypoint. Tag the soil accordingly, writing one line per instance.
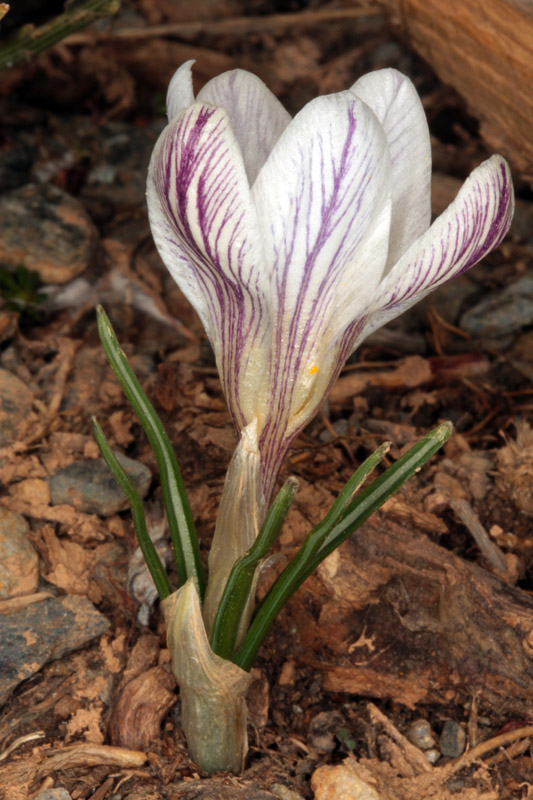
(426, 613)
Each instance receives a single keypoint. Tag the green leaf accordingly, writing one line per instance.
(240, 580)
(345, 738)
(319, 545)
(179, 515)
(153, 562)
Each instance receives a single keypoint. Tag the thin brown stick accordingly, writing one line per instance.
(235, 25)
(412, 754)
(470, 520)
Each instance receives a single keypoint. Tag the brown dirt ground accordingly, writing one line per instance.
(353, 659)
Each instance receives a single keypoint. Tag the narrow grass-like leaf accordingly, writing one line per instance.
(382, 488)
(240, 580)
(315, 539)
(153, 562)
(179, 515)
(310, 555)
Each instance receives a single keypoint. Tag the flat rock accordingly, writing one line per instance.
(19, 572)
(47, 230)
(53, 794)
(89, 485)
(43, 632)
(502, 312)
(15, 404)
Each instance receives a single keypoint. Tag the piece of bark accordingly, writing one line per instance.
(410, 372)
(402, 618)
(483, 49)
(90, 755)
(136, 718)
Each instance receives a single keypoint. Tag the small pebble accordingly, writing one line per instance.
(452, 740)
(432, 755)
(502, 312)
(53, 794)
(420, 734)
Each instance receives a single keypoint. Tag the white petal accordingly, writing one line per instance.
(257, 117)
(180, 93)
(323, 201)
(204, 225)
(395, 101)
(473, 225)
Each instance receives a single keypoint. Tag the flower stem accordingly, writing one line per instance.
(240, 580)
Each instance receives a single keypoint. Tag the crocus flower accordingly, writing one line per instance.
(296, 238)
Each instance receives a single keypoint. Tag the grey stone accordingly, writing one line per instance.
(341, 428)
(502, 312)
(52, 794)
(89, 485)
(420, 734)
(432, 755)
(15, 405)
(452, 740)
(47, 230)
(42, 632)
(19, 572)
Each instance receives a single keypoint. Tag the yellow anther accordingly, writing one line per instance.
(313, 369)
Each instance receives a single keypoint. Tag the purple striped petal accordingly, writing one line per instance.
(205, 229)
(473, 225)
(257, 117)
(180, 93)
(395, 102)
(323, 203)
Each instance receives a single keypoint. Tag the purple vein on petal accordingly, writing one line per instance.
(201, 194)
(473, 225)
(332, 203)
